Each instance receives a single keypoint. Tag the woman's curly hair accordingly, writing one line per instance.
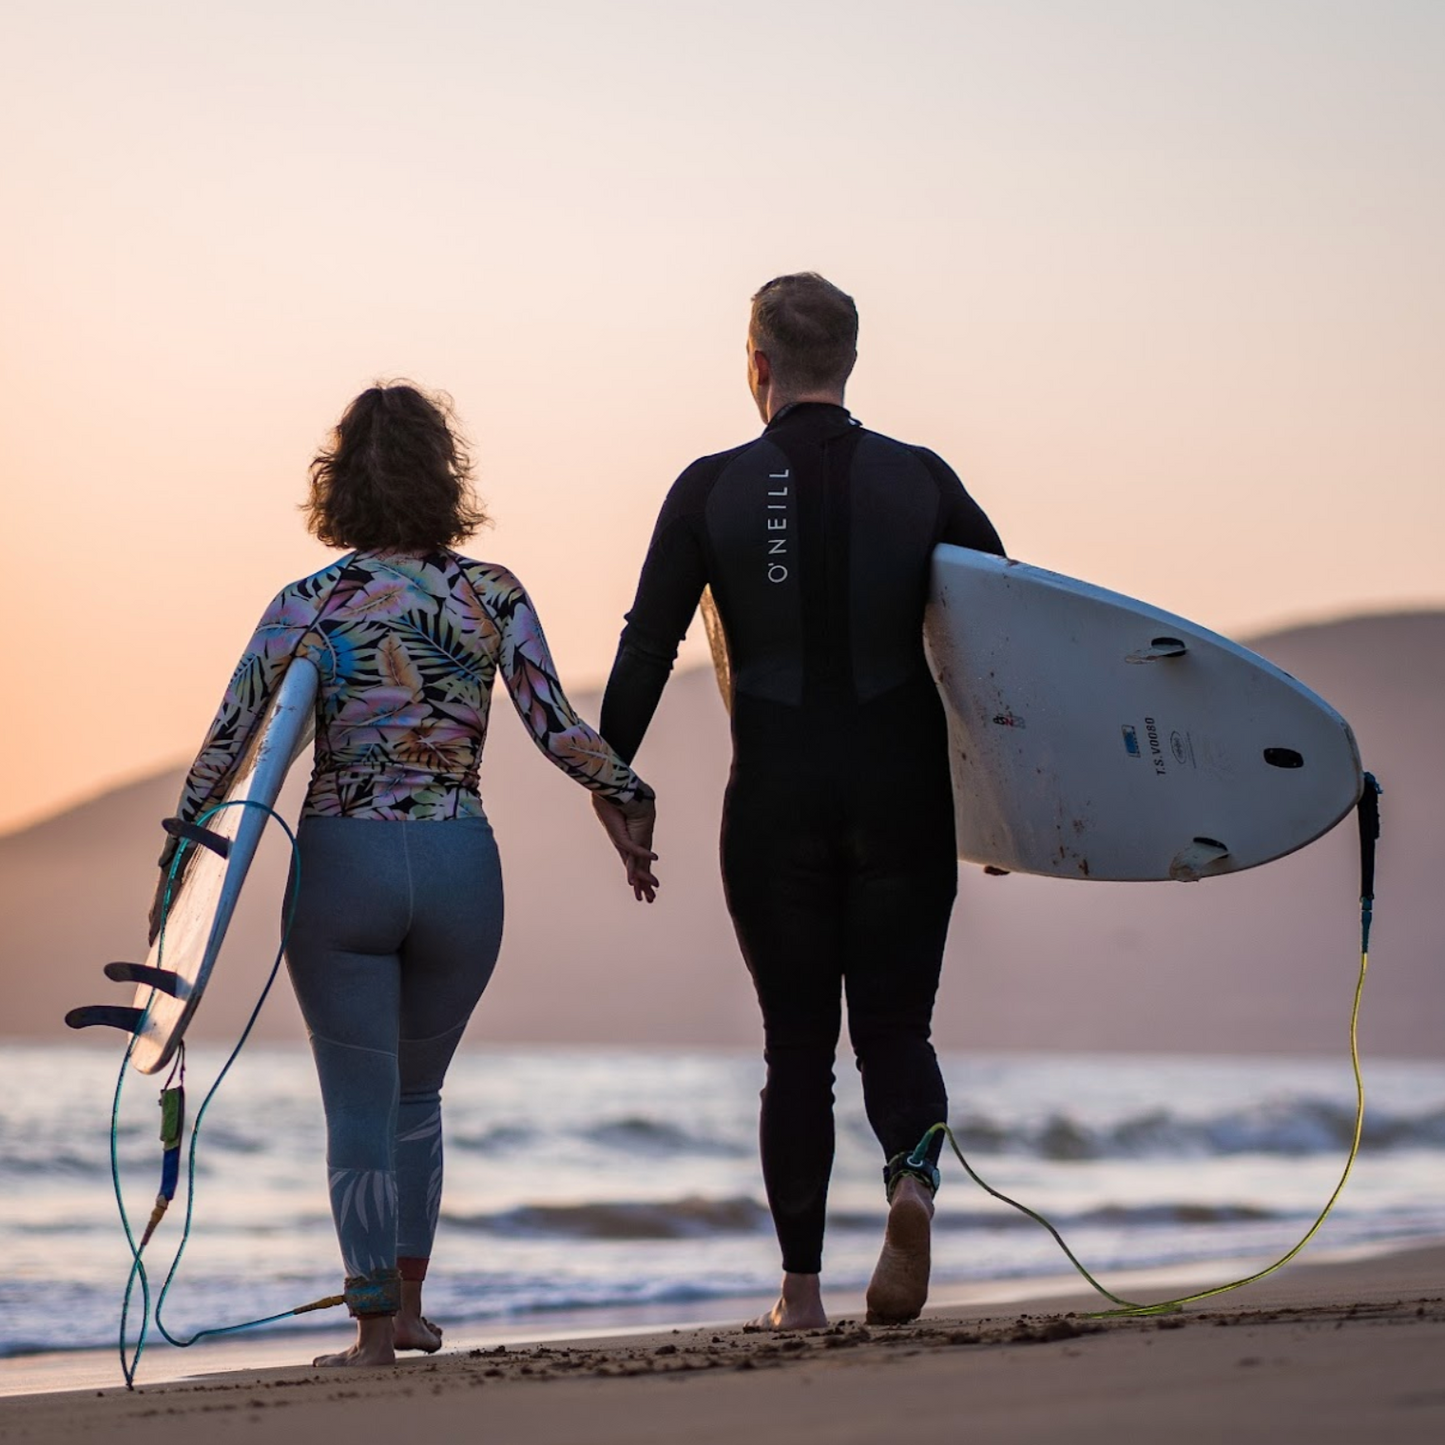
(395, 476)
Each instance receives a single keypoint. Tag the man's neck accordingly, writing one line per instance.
(776, 403)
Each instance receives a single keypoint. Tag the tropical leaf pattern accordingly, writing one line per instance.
(363, 1205)
(419, 1176)
(407, 648)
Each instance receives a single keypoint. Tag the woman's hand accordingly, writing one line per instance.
(158, 903)
(629, 827)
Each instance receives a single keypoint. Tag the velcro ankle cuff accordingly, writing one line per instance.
(377, 1293)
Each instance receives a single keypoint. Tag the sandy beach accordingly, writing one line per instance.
(1337, 1351)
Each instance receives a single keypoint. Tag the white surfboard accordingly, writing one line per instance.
(201, 911)
(1094, 736)
(180, 962)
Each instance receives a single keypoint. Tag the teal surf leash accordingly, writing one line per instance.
(1368, 810)
(172, 1130)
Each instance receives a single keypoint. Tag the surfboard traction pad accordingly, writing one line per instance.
(170, 983)
(1093, 736)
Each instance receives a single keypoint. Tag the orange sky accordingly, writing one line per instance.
(1162, 280)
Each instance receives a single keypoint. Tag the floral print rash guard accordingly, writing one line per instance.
(407, 647)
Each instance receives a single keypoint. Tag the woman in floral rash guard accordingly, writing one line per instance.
(399, 912)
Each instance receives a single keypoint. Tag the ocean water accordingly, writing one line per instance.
(596, 1179)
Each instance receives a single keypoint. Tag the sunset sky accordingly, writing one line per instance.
(1161, 278)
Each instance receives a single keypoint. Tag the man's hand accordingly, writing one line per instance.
(629, 827)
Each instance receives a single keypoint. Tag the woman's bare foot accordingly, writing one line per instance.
(411, 1330)
(799, 1307)
(899, 1287)
(373, 1348)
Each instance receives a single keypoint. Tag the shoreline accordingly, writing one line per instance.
(60, 1371)
(1333, 1352)
(1344, 1283)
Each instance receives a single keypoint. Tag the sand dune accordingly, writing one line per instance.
(1258, 962)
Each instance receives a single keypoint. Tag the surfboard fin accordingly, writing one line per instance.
(194, 833)
(115, 1016)
(158, 978)
(1158, 647)
(1198, 860)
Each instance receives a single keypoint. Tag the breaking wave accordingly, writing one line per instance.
(1296, 1127)
(692, 1217)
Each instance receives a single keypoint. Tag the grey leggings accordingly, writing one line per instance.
(396, 933)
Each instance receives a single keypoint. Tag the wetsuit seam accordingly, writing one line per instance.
(432, 1038)
(342, 1044)
(410, 884)
(839, 503)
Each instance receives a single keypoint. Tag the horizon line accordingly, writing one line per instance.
(133, 777)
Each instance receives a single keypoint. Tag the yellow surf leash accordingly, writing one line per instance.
(1369, 821)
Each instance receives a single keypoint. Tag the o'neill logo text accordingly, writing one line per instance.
(778, 526)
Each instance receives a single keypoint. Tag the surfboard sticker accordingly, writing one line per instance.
(1094, 736)
(201, 909)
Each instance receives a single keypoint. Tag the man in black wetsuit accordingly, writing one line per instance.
(838, 845)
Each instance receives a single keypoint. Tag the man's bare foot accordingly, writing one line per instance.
(799, 1307)
(899, 1287)
(415, 1332)
(373, 1348)
(411, 1330)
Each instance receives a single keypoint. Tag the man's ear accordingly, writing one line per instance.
(762, 367)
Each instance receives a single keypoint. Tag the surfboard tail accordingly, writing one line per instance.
(129, 1018)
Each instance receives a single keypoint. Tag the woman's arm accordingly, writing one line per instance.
(623, 802)
(526, 665)
(252, 686)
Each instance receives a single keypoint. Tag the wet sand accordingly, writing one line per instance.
(1325, 1352)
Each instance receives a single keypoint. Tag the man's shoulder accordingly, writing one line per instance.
(895, 450)
(716, 463)
(695, 482)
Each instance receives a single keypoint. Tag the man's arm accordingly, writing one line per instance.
(965, 524)
(673, 576)
(961, 520)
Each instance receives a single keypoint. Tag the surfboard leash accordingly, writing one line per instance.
(172, 1130)
(1368, 813)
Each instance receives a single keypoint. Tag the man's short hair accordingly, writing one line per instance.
(808, 329)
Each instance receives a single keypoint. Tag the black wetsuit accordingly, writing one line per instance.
(838, 844)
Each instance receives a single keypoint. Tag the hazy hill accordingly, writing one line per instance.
(1258, 962)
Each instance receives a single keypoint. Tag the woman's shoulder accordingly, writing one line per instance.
(322, 580)
(491, 579)
(297, 601)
